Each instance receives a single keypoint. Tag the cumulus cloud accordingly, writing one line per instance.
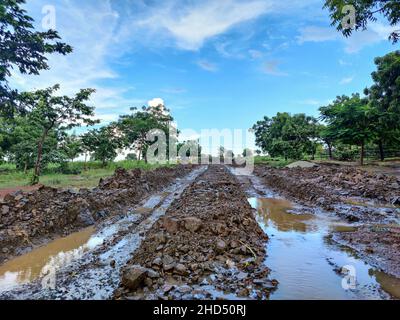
(156, 102)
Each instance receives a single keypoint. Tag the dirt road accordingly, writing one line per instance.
(208, 233)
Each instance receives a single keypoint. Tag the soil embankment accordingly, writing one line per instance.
(369, 200)
(353, 194)
(208, 245)
(29, 219)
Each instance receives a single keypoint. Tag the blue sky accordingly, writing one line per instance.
(216, 64)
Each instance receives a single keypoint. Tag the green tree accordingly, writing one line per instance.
(23, 48)
(103, 143)
(286, 135)
(384, 95)
(350, 120)
(366, 11)
(72, 146)
(135, 127)
(49, 112)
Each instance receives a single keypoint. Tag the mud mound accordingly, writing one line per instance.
(379, 245)
(27, 218)
(326, 185)
(302, 164)
(208, 243)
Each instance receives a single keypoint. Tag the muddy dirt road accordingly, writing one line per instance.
(210, 232)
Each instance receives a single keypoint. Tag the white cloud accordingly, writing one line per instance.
(317, 34)
(375, 33)
(190, 26)
(208, 66)
(346, 80)
(156, 102)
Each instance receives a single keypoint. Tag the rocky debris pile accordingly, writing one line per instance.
(26, 217)
(208, 244)
(380, 245)
(327, 185)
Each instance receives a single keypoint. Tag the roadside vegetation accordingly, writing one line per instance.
(345, 129)
(82, 175)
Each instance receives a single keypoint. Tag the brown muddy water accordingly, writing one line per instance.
(36, 263)
(304, 261)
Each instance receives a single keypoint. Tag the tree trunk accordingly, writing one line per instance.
(26, 167)
(330, 151)
(85, 164)
(381, 150)
(362, 153)
(36, 174)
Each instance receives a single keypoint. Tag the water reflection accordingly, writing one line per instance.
(59, 252)
(303, 260)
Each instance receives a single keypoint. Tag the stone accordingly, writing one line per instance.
(152, 274)
(180, 269)
(220, 246)
(170, 225)
(157, 261)
(192, 224)
(5, 210)
(133, 277)
(396, 202)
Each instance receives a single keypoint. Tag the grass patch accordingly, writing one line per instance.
(85, 179)
(272, 162)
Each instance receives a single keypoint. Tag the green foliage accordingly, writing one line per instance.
(366, 11)
(384, 96)
(71, 146)
(350, 121)
(135, 127)
(286, 135)
(48, 113)
(103, 143)
(131, 157)
(22, 47)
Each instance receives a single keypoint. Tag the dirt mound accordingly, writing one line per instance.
(380, 245)
(302, 164)
(327, 185)
(207, 244)
(27, 218)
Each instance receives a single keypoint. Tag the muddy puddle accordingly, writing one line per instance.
(308, 265)
(37, 263)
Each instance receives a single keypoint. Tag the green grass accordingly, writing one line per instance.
(272, 162)
(11, 178)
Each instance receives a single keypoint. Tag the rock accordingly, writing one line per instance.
(171, 225)
(5, 250)
(157, 261)
(85, 219)
(181, 269)
(243, 293)
(220, 246)
(152, 274)
(5, 210)
(396, 202)
(160, 237)
(167, 288)
(242, 275)
(112, 263)
(192, 224)
(133, 277)
(168, 260)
